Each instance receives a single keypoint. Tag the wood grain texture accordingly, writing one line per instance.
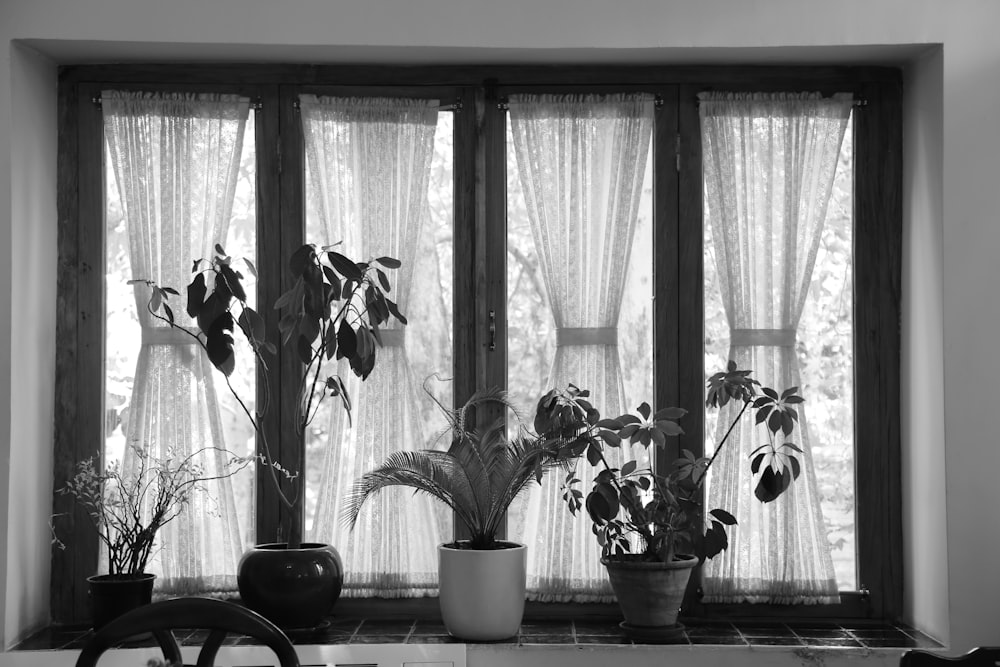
(878, 295)
(666, 264)
(67, 599)
(467, 234)
(270, 204)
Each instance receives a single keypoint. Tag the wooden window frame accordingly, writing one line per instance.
(479, 210)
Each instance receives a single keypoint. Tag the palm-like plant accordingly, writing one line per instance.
(478, 477)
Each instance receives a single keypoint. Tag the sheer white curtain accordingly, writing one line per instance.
(369, 165)
(581, 160)
(769, 164)
(175, 158)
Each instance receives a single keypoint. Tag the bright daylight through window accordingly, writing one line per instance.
(625, 231)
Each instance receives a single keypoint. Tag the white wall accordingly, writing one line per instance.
(32, 365)
(925, 526)
(952, 161)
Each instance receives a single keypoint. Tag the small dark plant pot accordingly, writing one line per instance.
(650, 595)
(111, 595)
(293, 588)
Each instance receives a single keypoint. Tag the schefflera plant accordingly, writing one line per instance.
(663, 513)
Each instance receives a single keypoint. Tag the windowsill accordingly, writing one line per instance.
(551, 634)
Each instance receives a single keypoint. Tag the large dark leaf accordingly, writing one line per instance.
(724, 517)
(594, 454)
(610, 437)
(233, 282)
(363, 365)
(611, 495)
(345, 266)
(219, 343)
(347, 341)
(309, 327)
(304, 349)
(394, 309)
(598, 508)
(213, 308)
(335, 283)
(715, 541)
(331, 341)
(301, 258)
(222, 288)
(383, 280)
(670, 413)
(365, 343)
(196, 295)
(316, 291)
(253, 324)
(771, 484)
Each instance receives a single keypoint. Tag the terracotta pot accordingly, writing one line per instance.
(293, 588)
(111, 595)
(650, 594)
(482, 591)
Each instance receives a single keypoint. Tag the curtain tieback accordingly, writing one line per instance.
(586, 336)
(762, 337)
(392, 337)
(165, 336)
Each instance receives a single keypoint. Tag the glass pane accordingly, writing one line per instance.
(531, 330)
(123, 333)
(531, 334)
(824, 348)
(428, 336)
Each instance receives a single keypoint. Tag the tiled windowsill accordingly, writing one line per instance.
(554, 634)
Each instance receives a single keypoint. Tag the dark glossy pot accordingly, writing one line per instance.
(111, 595)
(293, 588)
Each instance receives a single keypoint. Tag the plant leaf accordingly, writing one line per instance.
(347, 341)
(345, 266)
(724, 517)
(219, 343)
(196, 295)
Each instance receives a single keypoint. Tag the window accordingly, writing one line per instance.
(483, 295)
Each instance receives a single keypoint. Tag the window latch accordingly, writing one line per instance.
(493, 330)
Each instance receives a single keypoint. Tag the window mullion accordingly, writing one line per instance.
(281, 173)
(468, 260)
(480, 236)
(491, 243)
(667, 273)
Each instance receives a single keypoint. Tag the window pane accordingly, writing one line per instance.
(824, 348)
(532, 346)
(391, 410)
(124, 336)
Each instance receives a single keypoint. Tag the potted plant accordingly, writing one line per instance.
(651, 527)
(481, 579)
(333, 310)
(128, 506)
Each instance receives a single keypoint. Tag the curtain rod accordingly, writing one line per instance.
(257, 105)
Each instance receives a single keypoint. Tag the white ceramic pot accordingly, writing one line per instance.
(482, 591)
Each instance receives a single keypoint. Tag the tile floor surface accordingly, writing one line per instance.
(589, 632)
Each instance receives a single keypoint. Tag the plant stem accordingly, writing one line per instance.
(746, 404)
